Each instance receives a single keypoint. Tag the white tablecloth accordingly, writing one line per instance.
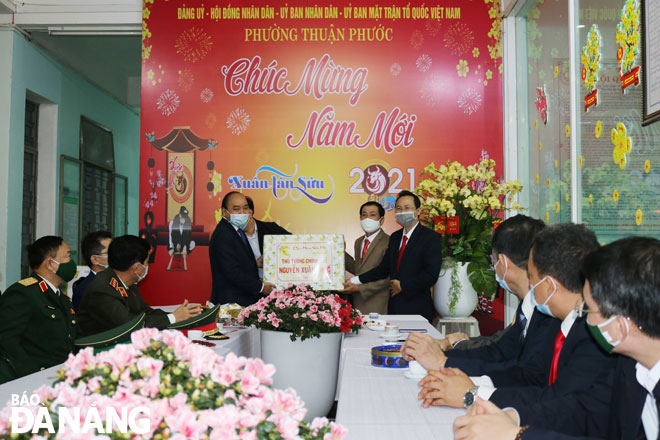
(380, 403)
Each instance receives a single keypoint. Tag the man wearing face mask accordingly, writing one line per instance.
(531, 336)
(412, 261)
(369, 251)
(556, 287)
(113, 297)
(94, 248)
(233, 264)
(37, 321)
(622, 294)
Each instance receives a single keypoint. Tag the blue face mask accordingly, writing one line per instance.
(502, 281)
(543, 308)
(239, 220)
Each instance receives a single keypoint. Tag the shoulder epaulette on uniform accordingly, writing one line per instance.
(27, 282)
(43, 286)
(113, 283)
(123, 292)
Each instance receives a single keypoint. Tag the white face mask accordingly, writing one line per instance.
(105, 266)
(370, 225)
(146, 271)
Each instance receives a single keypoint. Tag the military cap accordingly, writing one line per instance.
(113, 336)
(204, 321)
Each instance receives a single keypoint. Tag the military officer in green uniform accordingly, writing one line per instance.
(37, 321)
(113, 297)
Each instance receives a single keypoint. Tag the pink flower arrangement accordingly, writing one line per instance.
(302, 312)
(189, 391)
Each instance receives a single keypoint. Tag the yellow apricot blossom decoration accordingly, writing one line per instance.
(556, 71)
(638, 217)
(615, 195)
(462, 68)
(547, 182)
(475, 52)
(599, 129)
(566, 197)
(540, 145)
(537, 179)
(217, 183)
(591, 198)
(557, 207)
(622, 145)
(567, 130)
(647, 166)
(547, 216)
(580, 161)
(556, 163)
(536, 124)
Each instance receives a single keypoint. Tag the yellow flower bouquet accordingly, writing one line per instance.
(465, 204)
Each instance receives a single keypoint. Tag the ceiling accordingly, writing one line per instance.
(111, 62)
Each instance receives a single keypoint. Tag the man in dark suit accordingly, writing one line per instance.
(255, 231)
(37, 321)
(113, 298)
(95, 252)
(233, 264)
(369, 249)
(531, 336)
(412, 261)
(556, 288)
(622, 294)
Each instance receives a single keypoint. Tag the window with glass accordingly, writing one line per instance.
(30, 174)
(616, 159)
(93, 197)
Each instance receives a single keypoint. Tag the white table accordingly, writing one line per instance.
(380, 403)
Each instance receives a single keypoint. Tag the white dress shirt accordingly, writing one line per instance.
(527, 310)
(649, 379)
(253, 241)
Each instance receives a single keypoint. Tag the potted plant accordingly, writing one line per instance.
(301, 334)
(464, 204)
(179, 389)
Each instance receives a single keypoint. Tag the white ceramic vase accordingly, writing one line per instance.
(310, 367)
(461, 288)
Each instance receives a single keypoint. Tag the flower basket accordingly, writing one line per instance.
(464, 204)
(301, 333)
(184, 391)
(303, 312)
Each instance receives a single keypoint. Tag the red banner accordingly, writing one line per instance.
(630, 78)
(311, 110)
(591, 100)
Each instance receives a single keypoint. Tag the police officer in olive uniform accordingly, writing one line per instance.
(37, 321)
(113, 297)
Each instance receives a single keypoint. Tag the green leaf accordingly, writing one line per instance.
(482, 279)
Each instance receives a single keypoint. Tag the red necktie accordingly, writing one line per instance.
(364, 248)
(401, 249)
(559, 343)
